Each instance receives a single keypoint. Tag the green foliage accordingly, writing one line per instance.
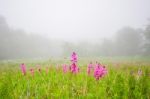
(121, 82)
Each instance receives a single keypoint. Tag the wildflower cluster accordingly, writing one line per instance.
(97, 70)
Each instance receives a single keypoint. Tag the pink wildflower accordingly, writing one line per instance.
(99, 71)
(74, 68)
(74, 57)
(32, 71)
(89, 68)
(23, 68)
(65, 69)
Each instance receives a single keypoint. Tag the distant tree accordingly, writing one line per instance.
(4, 33)
(107, 47)
(18, 44)
(147, 39)
(3, 25)
(128, 41)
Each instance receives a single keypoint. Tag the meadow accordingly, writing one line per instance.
(126, 78)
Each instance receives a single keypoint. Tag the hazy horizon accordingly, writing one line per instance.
(75, 20)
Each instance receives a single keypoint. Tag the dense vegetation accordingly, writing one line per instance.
(126, 79)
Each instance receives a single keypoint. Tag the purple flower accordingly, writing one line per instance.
(99, 71)
(65, 69)
(32, 71)
(74, 68)
(89, 68)
(74, 57)
(23, 68)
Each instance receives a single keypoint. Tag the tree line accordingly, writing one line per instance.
(16, 44)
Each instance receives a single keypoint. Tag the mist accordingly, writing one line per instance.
(46, 29)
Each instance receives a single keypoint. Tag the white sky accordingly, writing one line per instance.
(75, 19)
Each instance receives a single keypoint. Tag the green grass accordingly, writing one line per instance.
(121, 82)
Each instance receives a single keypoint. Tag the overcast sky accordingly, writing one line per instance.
(75, 19)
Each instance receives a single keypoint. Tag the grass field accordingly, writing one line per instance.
(127, 78)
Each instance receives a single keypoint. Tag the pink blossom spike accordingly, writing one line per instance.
(23, 68)
(32, 71)
(89, 68)
(74, 57)
(65, 68)
(99, 71)
(74, 68)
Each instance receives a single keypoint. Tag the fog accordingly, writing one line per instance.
(55, 28)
